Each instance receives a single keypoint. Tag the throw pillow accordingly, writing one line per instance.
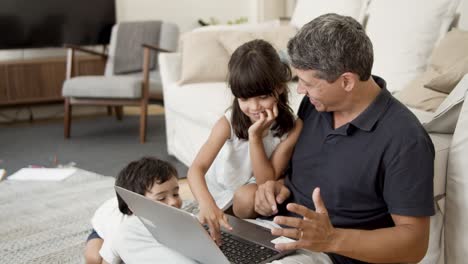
(417, 96)
(204, 59)
(450, 49)
(445, 82)
(277, 37)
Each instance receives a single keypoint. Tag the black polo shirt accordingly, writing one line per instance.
(380, 163)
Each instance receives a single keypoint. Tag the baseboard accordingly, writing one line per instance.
(44, 112)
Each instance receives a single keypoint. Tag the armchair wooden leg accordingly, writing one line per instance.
(143, 121)
(67, 118)
(119, 112)
(109, 110)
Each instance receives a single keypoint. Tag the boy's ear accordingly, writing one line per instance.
(349, 81)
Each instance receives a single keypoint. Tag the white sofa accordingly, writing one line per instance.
(191, 109)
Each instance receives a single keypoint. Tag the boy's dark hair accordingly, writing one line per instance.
(140, 175)
(255, 69)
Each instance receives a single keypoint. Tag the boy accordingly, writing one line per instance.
(118, 235)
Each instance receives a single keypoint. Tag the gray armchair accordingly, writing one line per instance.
(131, 75)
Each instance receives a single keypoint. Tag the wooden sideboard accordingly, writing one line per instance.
(35, 81)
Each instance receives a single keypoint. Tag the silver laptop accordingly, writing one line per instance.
(181, 231)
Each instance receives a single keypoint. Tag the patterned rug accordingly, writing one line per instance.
(48, 222)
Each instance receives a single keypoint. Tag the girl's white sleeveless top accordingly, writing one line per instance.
(232, 167)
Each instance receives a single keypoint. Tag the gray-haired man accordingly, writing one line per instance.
(360, 184)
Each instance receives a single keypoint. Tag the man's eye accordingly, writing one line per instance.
(161, 199)
(176, 195)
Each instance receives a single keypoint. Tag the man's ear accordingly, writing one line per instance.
(349, 81)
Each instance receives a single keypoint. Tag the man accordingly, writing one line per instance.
(363, 156)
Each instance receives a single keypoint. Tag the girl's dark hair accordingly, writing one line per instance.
(140, 175)
(255, 69)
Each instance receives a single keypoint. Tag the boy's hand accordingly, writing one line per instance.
(213, 217)
(264, 122)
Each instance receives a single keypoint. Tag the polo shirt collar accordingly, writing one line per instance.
(367, 119)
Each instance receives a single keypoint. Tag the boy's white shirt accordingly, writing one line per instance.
(107, 218)
(127, 239)
(133, 243)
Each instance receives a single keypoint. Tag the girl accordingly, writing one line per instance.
(252, 143)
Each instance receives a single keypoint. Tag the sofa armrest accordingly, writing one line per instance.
(170, 68)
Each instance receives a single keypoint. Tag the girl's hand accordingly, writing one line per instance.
(213, 217)
(264, 122)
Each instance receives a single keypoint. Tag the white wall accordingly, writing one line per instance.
(184, 13)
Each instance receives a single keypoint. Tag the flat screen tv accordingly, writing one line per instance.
(52, 23)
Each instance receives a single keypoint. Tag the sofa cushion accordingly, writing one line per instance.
(403, 34)
(446, 116)
(415, 95)
(441, 146)
(306, 10)
(446, 81)
(456, 233)
(203, 103)
(118, 86)
(207, 112)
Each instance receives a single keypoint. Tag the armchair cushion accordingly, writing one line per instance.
(118, 86)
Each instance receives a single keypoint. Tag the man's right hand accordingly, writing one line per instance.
(211, 215)
(269, 195)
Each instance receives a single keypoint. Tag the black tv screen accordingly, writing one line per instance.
(52, 23)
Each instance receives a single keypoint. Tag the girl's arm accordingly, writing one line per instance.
(264, 169)
(209, 211)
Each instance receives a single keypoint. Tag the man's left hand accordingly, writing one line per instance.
(313, 232)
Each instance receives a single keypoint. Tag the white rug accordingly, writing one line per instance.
(48, 222)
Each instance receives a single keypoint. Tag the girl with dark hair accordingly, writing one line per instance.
(115, 229)
(252, 143)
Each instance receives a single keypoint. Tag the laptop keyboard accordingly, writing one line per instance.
(241, 251)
